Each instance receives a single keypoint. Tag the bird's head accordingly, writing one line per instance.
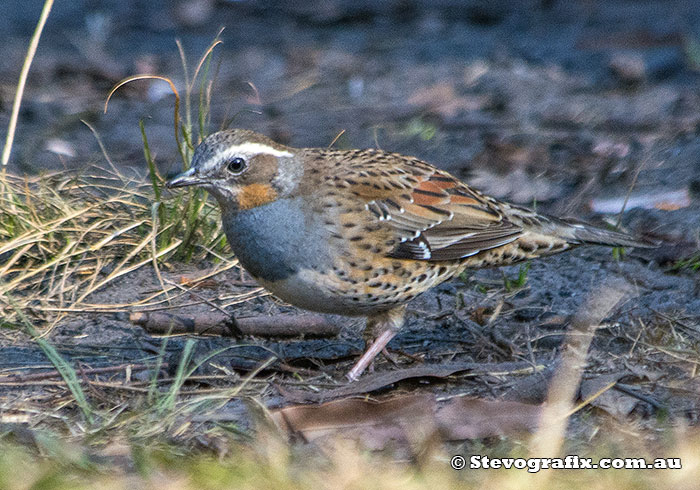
(242, 169)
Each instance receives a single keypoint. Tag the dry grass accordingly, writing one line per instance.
(271, 463)
(64, 237)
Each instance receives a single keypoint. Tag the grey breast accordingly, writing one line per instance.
(274, 241)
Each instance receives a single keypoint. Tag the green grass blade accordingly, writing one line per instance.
(168, 403)
(62, 366)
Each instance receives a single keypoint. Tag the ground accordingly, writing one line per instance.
(578, 108)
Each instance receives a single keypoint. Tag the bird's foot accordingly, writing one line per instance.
(392, 358)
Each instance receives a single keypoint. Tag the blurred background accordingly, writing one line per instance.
(530, 100)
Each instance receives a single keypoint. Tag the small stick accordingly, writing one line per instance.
(18, 378)
(216, 323)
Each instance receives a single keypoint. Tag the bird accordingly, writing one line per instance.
(360, 232)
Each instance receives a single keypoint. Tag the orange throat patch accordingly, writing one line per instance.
(255, 195)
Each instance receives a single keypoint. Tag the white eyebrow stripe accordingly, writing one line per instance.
(250, 148)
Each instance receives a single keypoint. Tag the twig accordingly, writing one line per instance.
(376, 381)
(18, 378)
(639, 396)
(337, 137)
(216, 323)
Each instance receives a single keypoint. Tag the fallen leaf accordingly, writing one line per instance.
(472, 418)
(517, 185)
(407, 419)
(374, 423)
(666, 201)
(60, 147)
(198, 283)
(479, 314)
(377, 381)
(615, 403)
(442, 99)
(611, 149)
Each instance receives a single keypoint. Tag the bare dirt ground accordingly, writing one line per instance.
(565, 105)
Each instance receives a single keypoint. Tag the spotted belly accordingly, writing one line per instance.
(357, 288)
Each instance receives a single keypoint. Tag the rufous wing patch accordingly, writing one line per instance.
(427, 193)
(254, 195)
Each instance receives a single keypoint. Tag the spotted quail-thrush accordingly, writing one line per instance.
(362, 232)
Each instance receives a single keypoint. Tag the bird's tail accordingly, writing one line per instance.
(579, 232)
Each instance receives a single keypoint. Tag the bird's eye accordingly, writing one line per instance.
(236, 165)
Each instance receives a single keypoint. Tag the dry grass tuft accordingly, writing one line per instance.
(63, 237)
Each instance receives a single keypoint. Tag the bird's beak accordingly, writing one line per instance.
(184, 179)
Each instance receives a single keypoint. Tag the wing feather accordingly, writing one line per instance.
(433, 215)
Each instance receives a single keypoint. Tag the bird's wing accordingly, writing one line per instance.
(435, 216)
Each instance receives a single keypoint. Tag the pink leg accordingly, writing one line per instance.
(377, 346)
(384, 326)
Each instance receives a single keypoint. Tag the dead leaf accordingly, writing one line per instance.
(643, 372)
(442, 99)
(198, 283)
(193, 13)
(377, 381)
(374, 423)
(60, 147)
(532, 388)
(608, 148)
(473, 418)
(479, 314)
(666, 201)
(517, 185)
(407, 419)
(615, 403)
